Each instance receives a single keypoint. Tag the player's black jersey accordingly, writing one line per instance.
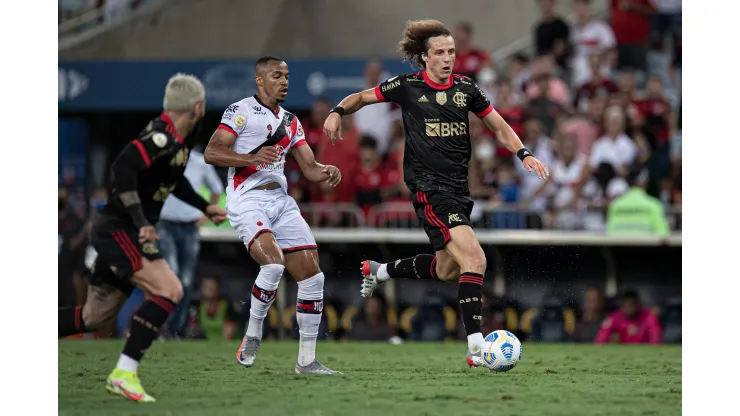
(435, 117)
(157, 157)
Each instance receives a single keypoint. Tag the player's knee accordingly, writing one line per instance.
(171, 290)
(95, 318)
(447, 271)
(475, 261)
(312, 288)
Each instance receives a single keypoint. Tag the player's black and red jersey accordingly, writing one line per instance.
(153, 165)
(435, 117)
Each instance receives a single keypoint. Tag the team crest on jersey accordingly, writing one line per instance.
(240, 120)
(159, 139)
(441, 98)
(180, 158)
(459, 99)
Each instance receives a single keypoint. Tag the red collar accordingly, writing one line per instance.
(171, 127)
(434, 84)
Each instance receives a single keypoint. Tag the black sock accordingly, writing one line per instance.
(469, 293)
(70, 321)
(422, 266)
(145, 325)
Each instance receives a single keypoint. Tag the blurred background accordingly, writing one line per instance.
(593, 88)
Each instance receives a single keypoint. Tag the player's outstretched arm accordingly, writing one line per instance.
(511, 141)
(349, 105)
(313, 170)
(219, 153)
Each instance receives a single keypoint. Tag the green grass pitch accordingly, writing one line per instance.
(202, 378)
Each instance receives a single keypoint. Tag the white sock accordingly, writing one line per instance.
(383, 273)
(127, 363)
(475, 342)
(264, 292)
(309, 308)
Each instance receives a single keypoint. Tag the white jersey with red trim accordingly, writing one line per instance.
(255, 126)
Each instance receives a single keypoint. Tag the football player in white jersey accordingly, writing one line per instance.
(253, 140)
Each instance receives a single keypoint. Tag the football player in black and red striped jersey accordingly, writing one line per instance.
(435, 105)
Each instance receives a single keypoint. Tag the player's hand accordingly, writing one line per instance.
(333, 127)
(201, 221)
(147, 233)
(531, 163)
(267, 154)
(216, 214)
(335, 176)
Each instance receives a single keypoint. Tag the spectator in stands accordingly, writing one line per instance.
(630, 20)
(508, 194)
(615, 148)
(372, 322)
(71, 238)
(213, 316)
(630, 324)
(370, 175)
(589, 323)
(537, 141)
(552, 34)
(345, 155)
(519, 72)
(115, 10)
(636, 212)
(587, 125)
(666, 21)
(508, 104)
(376, 120)
(314, 129)
(565, 174)
(589, 37)
(544, 78)
(470, 59)
(597, 85)
(179, 237)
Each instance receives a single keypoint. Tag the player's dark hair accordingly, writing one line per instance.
(630, 294)
(368, 142)
(263, 61)
(415, 39)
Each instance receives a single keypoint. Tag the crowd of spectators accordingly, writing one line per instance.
(598, 101)
(109, 11)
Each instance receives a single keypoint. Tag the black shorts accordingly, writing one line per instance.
(439, 211)
(119, 253)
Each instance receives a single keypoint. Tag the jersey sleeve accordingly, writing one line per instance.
(391, 90)
(234, 119)
(479, 103)
(299, 138)
(152, 145)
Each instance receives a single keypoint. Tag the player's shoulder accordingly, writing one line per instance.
(240, 106)
(161, 131)
(463, 81)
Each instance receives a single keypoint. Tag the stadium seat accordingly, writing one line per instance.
(670, 320)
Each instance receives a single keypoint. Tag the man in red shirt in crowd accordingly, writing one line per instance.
(370, 175)
(469, 59)
(598, 85)
(630, 324)
(510, 110)
(630, 20)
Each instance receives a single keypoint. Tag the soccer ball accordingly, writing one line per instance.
(501, 351)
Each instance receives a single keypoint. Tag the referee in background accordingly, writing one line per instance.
(179, 240)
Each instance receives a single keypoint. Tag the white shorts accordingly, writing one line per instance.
(258, 211)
